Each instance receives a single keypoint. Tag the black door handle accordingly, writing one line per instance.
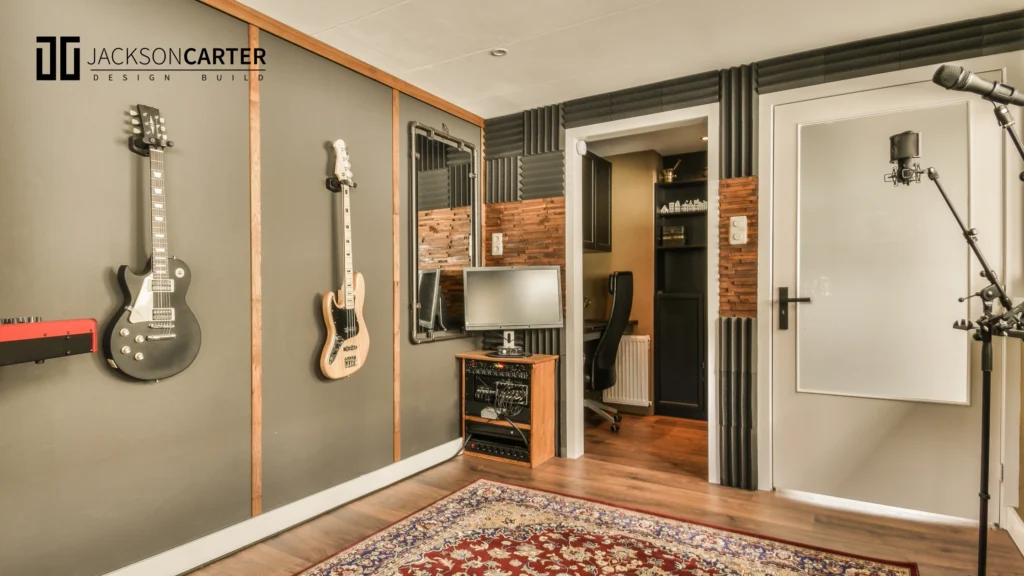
(784, 301)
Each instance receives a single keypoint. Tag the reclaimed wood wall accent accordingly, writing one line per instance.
(396, 212)
(255, 283)
(444, 236)
(533, 233)
(737, 264)
(285, 32)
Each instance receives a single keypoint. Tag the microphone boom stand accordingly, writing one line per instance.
(988, 325)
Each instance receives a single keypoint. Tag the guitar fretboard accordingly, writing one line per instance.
(350, 299)
(158, 207)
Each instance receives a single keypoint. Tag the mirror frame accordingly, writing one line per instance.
(415, 129)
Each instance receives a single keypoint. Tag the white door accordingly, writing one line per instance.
(875, 397)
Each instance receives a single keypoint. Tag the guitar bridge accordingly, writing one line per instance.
(350, 361)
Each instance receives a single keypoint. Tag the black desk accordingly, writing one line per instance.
(593, 329)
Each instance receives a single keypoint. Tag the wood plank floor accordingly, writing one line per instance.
(655, 464)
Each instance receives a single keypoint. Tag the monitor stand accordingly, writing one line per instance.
(508, 348)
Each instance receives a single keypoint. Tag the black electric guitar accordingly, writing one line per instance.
(154, 335)
(347, 342)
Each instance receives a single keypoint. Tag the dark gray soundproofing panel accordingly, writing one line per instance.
(648, 99)
(543, 176)
(98, 471)
(503, 179)
(504, 136)
(319, 433)
(737, 365)
(737, 110)
(434, 188)
(923, 47)
(544, 129)
(431, 405)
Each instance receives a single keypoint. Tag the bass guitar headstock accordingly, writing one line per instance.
(342, 168)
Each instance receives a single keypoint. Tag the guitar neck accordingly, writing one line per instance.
(350, 300)
(158, 209)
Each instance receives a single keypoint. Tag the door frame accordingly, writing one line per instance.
(572, 413)
(1010, 266)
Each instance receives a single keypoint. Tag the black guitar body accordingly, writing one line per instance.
(159, 346)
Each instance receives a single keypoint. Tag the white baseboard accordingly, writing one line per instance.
(1015, 526)
(190, 556)
(836, 503)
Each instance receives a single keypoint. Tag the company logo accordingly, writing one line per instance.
(47, 69)
(60, 57)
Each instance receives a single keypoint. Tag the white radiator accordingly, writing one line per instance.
(632, 370)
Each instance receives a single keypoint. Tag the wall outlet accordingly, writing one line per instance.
(497, 244)
(738, 230)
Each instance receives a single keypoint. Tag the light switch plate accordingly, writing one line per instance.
(497, 244)
(738, 230)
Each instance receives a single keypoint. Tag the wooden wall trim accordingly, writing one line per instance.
(396, 256)
(256, 287)
(264, 22)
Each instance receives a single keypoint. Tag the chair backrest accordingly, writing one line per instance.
(602, 374)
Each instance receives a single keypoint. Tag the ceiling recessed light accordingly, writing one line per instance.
(704, 138)
(499, 52)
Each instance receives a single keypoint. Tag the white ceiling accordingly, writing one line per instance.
(565, 49)
(678, 140)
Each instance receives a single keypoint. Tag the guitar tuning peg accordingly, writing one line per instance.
(163, 129)
(161, 119)
(132, 112)
(136, 131)
(135, 122)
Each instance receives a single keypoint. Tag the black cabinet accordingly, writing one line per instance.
(680, 356)
(597, 203)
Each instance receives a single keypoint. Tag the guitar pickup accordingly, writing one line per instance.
(164, 285)
(159, 337)
(162, 326)
(163, 314)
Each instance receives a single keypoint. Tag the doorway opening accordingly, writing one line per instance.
(642, 240)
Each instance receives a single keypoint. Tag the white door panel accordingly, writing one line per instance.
(875, 397)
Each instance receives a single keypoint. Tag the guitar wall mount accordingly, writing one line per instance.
(334, 185)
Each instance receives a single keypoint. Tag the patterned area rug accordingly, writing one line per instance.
(494, 529)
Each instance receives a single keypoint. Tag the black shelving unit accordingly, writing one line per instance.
(680, 295)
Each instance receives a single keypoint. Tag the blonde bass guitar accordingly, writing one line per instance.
(347, 342)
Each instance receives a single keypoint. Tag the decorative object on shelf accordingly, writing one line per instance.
(664, 209)
(154, 335)
(347, 336)
(668, 175)
(471, 528)
(673, 235)
(29, 339)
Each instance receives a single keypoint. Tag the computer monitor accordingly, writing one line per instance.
(512, 298)
(429, 289)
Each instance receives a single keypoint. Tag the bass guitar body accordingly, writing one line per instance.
(154, 335)
(348, 342)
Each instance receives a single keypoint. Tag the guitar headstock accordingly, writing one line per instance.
(342, 165)
(148, 130)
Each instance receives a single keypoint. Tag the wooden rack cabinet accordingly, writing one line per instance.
(542, 405)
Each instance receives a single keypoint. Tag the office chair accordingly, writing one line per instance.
(599, 370)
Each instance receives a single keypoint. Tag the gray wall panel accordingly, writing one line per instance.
(430, 378)
(97, 471)
(318, 433)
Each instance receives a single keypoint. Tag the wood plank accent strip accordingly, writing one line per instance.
(281, 30)
(737, 264)
(255, 283)
(396, 257)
